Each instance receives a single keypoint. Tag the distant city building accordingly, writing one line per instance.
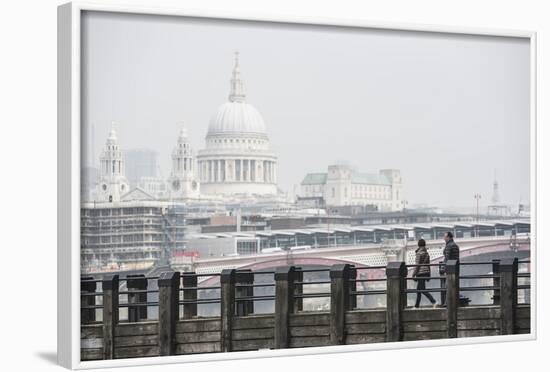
(112, 183)
(341, 186)
(88, 185)
(155, 186)
(141, 163)
(237, 158)
(182, 182)
(129, 235)
(496, 208)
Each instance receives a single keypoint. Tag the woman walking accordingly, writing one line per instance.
(422, 273)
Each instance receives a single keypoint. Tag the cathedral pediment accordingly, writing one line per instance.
(137, 194)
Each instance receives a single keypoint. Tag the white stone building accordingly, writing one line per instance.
(237, 158)
(182, 182)
(112, 183)
(343, 186)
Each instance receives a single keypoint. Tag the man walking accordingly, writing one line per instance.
(450, 252)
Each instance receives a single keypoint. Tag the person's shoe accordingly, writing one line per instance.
(435, 305)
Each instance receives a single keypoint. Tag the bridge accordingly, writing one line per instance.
(119, 323)
(378, 254)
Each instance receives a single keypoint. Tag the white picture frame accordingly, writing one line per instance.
(69, 136)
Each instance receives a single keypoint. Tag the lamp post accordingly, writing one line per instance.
(477, 197)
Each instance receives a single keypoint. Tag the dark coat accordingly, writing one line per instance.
(451, 251)
(422, 259)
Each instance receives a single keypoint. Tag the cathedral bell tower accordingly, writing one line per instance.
(112, 181)
(182, 182)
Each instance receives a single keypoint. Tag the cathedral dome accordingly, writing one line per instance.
(237, 118)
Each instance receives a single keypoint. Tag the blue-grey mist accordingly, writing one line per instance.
(448, 110)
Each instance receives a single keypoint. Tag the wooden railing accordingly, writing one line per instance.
(178, 329)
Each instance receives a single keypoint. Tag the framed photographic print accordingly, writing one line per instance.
(243, 186)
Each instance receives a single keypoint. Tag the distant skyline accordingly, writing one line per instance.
(448, 110)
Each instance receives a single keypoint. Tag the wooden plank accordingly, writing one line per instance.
(148, 340)
(523, 311)
(91, 343)
(479, 324)
(478, 312)
(422, 315)
(253, 334)
(368, 328)
(478, 332)
(523, 323)
(365, 338)
(227, 312)
(186, 338)
(95, 331)
(136, 352)
(451, 298)
(309, 341)
(309, 319)
(395, 300)
(258, 321)
(242, 345)
(415, 336)
(137, 329)
(436, 326)
(199, 325)
(91, 354)
(365, 316)
(309, 331)
(203, 347)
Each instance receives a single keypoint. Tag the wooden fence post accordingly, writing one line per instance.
(298, 289)
(110, 314)
(169, 288)
(137, 282)
(190, 283)
(87, 286)
(395, 277)
(227, 280)
(452, 272)
(508, 295)
(284, 304)
(496, 282)
(246, 278)
(352, 287)
(339, 302)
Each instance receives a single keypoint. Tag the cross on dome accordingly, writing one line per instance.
(183, 132)
(236, 93)
(112, 133)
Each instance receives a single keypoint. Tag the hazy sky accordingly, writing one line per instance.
(448, 110)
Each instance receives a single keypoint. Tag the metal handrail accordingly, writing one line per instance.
(200, 301)
(371, 292)
(313, 282)
(139, 304)
(254, 298)
(482, 288)
(91, 294)
(137, 291)
(313, 295)
(313, 270)
(481, 276)
(426, 290)
(255, 285)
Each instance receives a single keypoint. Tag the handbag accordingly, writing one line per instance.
(442, 268)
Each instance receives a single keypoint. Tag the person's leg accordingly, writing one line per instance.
(443, 285)
(429, 296)
(420, 286)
